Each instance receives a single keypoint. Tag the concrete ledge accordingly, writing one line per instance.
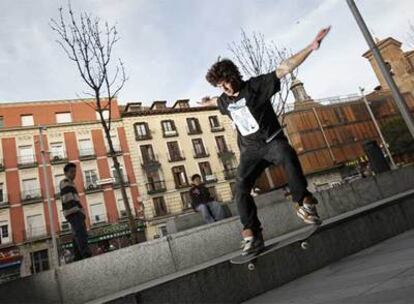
(227, 283)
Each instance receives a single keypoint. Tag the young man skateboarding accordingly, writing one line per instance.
(260, 138)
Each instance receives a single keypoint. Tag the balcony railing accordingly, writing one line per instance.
(156, 187)
(31, 196)
(182, 185)
(1, 165)
(230, 173)
(99, 219)
(217, 128)
(92, 188)
(65, 227)
(169, 133)
(117, 181)
(32, 233)
(117, 150)
(87, 153)
(192, 131)
(150, 163)
(201, 154)
(211, 178)
(225, 153)
(58, 157)
(177, 156)
(143, 136)
(26, 161)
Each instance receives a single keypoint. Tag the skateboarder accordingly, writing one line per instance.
(260, 138)
(202, 202)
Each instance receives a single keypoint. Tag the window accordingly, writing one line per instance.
(180, 177)
(162, 230)
(40, 260)
(160, 206)
(168, 128)
(121, 207)
(147, 153)
(221, 144)
(3, 196)
(26, 155)
(1, 122)
(199, 147)
(205, 171)
(214, 122)
(57, 151)
(30, 188)
(105, 115)
(142, 131)
(193, 125)
(90, 178)
(4, 232)
(97, 213)
(58, 178)
(63, 117)
(174, 151)
(27, 120)
(186, 199)
(340, 115)
(85, 147)
(35, 226)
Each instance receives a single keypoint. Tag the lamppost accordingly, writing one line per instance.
(402, 106)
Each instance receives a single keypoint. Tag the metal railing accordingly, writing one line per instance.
(86, 152)
(31, 195)
(229, 173)
(58, 157)
(27, 160)
(200, 154)
(92, 187)
(35, 233)
(173, 157)
(156, 187)
(99, 219)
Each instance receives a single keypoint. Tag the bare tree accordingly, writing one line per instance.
(255, 56)
(89, 44)
(410, 35)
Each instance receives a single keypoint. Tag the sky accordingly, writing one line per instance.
(167, 46)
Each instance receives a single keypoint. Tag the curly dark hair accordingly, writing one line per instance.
(224, 70)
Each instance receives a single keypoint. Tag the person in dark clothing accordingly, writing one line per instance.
(202, 202)
(260, 138)
(73, 212)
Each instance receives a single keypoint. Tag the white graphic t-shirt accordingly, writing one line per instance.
(243, 118)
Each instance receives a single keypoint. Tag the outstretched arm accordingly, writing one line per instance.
(287, 66)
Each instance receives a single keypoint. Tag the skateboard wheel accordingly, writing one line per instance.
(251, 266)
(304, 245)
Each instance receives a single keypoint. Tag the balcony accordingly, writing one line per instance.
(211, 178)
(225, 154)
(175, 157)
(170, 133)
(58, 157)
(1, 165)
(230, 173)
(150, 163)
(117, 150)
(87, 153)
(4, 202)
(217, 128)
(194, 131)
(92, 188)
(65, 228)
(143, 136)
(31, 196)
(156, 187)
(35, 233)
(99, 219)
(26, 161)
(117, 181)
(182, 185)
(201, 154)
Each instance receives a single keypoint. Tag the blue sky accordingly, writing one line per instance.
(167, 46)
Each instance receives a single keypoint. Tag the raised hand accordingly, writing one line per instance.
(316, 43)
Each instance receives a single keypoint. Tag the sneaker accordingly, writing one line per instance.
(252, 243)
(308, 214)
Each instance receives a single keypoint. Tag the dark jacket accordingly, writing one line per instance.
(69, 196)
(200, 195)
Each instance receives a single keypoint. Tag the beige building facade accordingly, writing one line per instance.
(170, 144)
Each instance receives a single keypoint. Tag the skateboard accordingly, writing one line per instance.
(301, 236)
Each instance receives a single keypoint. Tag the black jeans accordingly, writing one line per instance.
(253, 161)
(80, 236)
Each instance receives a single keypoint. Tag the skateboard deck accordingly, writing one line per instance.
(291, 238)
